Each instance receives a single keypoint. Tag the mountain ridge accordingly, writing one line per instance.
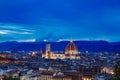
(92, 46)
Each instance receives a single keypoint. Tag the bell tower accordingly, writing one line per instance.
(48, 51)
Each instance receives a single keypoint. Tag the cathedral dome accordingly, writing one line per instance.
(71, 47)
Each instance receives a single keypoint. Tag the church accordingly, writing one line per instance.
(71, 52)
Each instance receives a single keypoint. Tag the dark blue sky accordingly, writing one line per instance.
(53, 20)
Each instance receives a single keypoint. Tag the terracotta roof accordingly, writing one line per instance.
(71, 46)
(62, 76)
(47, 73)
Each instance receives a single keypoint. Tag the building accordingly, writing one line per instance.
(71, 52)
(46, 76)
(62, 78)
(54, 76)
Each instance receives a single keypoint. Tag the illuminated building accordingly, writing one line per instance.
(71, 52)
(48, 51)
(54, 76)
(33, 54)
(108, 70)
(2, 55)
(46, 76)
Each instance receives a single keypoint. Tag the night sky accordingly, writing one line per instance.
(55, 20)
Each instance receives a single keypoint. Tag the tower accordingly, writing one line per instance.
(41, 53)
(48, 51)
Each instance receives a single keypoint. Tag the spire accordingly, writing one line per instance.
(71, 40)
(41, 51)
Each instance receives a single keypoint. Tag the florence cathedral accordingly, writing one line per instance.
(71, 52)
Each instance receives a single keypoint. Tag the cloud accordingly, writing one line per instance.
(14, 29)
(14, 26)
(52, 37)
(13, 32)
(3, 32)
(26, 40)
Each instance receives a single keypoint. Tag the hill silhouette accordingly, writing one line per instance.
(92, 46)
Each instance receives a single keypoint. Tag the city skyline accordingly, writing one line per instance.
(55, 20)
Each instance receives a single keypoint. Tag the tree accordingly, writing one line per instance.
(117, 71)
(8, 78)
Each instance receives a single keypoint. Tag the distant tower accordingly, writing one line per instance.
(41, 53)
(48, 51)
